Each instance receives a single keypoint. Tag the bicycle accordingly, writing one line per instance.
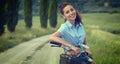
(67, 59)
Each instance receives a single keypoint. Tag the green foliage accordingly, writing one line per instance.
(12, 17)
(28, 13)
(93, 6)
(53, 13)
(43, 13)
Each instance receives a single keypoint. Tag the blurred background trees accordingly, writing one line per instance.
(12, 14)
(2, 16)
(53, 13)
(8, 15)
(13, 10)
(44, 13)
(28, 13)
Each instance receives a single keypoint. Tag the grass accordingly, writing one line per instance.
(100, 28)
(103, 21)
(104, 44)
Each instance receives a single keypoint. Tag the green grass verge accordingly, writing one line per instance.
(103, 42)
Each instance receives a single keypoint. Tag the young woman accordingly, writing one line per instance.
(71, 34)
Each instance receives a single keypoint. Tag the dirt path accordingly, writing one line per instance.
(36, 51)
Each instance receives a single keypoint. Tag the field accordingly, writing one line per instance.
(102, 29)
(103, 34)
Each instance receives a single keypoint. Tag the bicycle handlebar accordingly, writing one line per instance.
(55, 44)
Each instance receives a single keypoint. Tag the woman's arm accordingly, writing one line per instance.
(56, 37)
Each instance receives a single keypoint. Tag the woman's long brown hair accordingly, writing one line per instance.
(78, 17)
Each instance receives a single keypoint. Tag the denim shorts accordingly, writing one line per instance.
(81, 59)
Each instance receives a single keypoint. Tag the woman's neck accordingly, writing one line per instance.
(72, 22)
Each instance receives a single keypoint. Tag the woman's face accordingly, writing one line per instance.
(69, 13)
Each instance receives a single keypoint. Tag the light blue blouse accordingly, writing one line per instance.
(74, 35)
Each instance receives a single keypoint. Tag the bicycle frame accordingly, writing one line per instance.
(67, 59)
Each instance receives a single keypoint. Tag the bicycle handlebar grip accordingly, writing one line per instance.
(55, 43)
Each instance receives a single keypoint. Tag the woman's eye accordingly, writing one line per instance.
(67, 12)
(72, 9)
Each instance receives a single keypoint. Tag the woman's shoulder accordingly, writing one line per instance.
(62, 28)
(63, 25)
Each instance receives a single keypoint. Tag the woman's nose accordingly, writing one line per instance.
(71, 12)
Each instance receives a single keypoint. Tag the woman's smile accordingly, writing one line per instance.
(73, 15)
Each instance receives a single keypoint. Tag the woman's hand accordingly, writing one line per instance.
(75, 50)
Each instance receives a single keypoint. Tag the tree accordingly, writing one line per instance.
(114, 3)
(12, 17)
(43, 13)
(2, 16)
(28, 13)
(68, 1)
(53, 13)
